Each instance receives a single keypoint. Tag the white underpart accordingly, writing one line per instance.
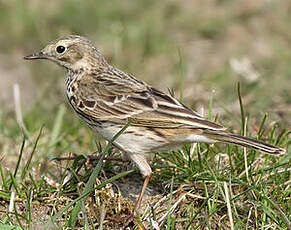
(137, 148)
(137, 145)
(129, 142)
(194, 138)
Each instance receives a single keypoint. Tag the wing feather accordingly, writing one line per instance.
(136, 102)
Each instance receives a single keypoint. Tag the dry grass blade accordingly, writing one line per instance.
(17, 107)
(227, 200)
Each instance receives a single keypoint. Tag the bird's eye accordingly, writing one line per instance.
(60, 49)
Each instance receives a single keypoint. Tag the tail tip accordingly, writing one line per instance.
(281, 151)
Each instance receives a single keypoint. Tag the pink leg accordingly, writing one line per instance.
(145, 184)
(132, 217)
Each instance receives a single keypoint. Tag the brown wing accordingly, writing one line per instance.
(119, 98)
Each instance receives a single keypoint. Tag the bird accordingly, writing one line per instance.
(107, 99)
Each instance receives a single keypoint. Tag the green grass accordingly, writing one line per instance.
(193, 179)
(185, 47)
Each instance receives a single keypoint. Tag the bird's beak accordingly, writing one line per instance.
(39, 55)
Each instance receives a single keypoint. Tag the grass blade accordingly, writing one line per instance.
(241, 109)
(19, 160)
(170, 205)
(181, 75)
(92, 179)
(24, 171)
(85, 194)
(57, 126)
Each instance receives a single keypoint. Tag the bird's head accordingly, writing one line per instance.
(72, 52)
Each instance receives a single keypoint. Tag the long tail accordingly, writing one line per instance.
(243, 141)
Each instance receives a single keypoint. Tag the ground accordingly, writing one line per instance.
(201, 51)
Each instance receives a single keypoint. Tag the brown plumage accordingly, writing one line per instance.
(107, 98)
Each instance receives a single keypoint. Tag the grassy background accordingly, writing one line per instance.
(204, 48)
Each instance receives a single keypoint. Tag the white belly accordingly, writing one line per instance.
(136, 140)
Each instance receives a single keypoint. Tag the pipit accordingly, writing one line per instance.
(106, 99)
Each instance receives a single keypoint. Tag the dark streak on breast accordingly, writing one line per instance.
(81, 105)
(73, 98)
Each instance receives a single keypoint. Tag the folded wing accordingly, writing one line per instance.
(111, 99)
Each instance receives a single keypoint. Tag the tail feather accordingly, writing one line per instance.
(244, 141)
